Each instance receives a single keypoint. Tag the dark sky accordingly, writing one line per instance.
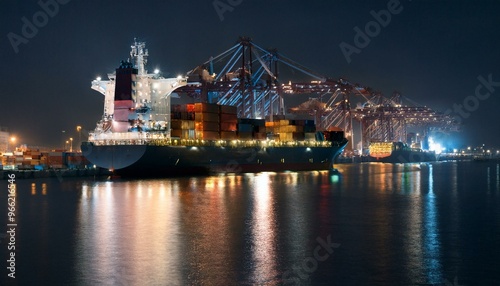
(431, 51)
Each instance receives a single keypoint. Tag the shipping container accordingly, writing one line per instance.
(309, 128)
(260, 129)
(183, 133)
(228, 126)
(228, 109)
(182, 124)
(201, 107)
(207, 135)
(284, 122)
(229, 118)
(182, 115)
(228, 135)
(244, 127)
(310, 135)
(245, 135)
(286, 136)
(260, 135)
(207, 126)
(255, 122)
(298, 136)
(209, 117)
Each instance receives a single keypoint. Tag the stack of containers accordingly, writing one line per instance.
(18, 155)
(245, 129)
(228, 122)
(259, 129)
(291, 130)
(309, 130)
(182, 123)
(206, 121)
(76, 161)
(251, 129)
(35, 157)
(55, 160)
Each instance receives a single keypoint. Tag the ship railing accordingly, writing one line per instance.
(238, 143)
(217, 143)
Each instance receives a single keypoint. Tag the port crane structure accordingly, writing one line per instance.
(248, 76)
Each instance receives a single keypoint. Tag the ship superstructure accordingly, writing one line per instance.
(136, 103)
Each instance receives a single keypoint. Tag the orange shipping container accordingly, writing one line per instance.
(228, 109)
(207, 135)
(206, 107)
(270, 123)
(228, 135)
(207, 126)
(228, 126)
(210, 117)
(286, 136)
(228, 118)
(182, 124)
(182, 133)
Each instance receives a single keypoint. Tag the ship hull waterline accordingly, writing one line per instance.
(164, 161)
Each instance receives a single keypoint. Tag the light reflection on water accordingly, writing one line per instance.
(396, 224)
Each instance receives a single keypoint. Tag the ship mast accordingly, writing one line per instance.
(139, 56)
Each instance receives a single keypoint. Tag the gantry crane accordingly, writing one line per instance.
(248, 77)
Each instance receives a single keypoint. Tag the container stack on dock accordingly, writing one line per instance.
(41, 160)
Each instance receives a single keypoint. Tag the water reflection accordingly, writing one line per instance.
(124, 237)
(432, 259)
(403, 224)
(264, 232)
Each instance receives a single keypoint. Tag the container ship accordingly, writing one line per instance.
(142, 134)
(399, 152)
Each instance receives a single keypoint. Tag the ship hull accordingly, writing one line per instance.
(407, 156)
(163, 161)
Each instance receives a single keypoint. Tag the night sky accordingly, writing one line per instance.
(432, 52)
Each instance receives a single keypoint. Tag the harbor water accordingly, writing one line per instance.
(369, 224)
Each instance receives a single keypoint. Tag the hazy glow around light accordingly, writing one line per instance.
(434, 146)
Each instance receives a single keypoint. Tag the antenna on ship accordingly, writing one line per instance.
(139, 56)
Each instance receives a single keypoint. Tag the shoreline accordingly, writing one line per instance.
(55, 173)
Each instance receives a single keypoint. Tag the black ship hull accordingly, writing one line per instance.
(162, 161)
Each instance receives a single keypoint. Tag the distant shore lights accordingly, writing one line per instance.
(13, 142)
